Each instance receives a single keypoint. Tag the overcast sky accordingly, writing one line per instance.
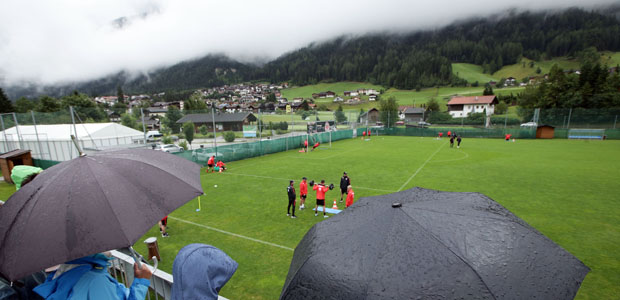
(60, 41)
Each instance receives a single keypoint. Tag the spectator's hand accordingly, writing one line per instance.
(143, 272)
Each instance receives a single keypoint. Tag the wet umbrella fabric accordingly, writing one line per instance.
(91, 204)
(437, 245)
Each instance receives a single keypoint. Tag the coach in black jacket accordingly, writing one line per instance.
(345, 181)
(291, 199)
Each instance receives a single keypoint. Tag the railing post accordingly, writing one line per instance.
(569, 115)
(19, 135)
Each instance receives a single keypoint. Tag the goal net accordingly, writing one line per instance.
(591, 134)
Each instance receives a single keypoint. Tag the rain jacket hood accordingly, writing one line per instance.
(200, 271)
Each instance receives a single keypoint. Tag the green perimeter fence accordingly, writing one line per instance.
(232, 152)
(518, 133)
(240, 151)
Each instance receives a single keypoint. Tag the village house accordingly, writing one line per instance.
(460, 107)
(412, 114)
(223, 121)
(370, 117)
(330, 94)
(347, 93)
(372, 98)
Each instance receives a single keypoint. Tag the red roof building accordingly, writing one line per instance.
(460, 107)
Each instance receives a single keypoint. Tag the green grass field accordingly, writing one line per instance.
(566, 189)
(472, 73)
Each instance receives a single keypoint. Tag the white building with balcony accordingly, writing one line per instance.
(461, 107)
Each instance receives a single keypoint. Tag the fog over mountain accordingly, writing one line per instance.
(58, 42)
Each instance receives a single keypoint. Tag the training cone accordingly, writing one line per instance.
(335, 206)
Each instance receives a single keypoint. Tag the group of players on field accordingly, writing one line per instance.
(321, 189)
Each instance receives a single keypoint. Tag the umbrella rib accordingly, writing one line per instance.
(377, 261)
(464, 215)
(455, 254)
(108, 202)
(151, 165)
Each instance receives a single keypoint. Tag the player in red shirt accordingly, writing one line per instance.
(210, 163)
(163, 224)
(350, 196)
(220, 164)
(508, 135)
(320, 189)
(440, 135)
(306, 145)
(315, 146)
(449, 133)
(363, 134)
(303, 193)
(369, 132)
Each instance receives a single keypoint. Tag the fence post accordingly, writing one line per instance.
(36, 132)
(260, 132)
(6, 142)
(615, 120)
(19, 135)
(506, 121)
(569, 115)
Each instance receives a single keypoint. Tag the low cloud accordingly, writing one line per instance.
(51, 42)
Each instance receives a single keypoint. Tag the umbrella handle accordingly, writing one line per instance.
(136, 257)
(155, 263)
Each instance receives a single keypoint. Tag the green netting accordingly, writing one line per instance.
(43, 163)
(464, 132)
(240, 151)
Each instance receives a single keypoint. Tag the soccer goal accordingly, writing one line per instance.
(589, 134)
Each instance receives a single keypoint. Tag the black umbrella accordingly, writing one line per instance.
(91, 204)
(437, 245)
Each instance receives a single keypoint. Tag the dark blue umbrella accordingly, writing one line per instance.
(91, 204)
(430, 245)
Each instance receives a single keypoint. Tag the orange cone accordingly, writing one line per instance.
(335, 206)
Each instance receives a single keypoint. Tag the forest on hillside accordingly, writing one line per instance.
(406, 61)
(423, 59)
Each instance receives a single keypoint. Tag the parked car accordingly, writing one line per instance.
(400, 123)
(169, 148)
(422, 123)
(529, 124)
(153, 135)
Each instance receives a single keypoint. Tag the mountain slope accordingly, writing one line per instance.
(405, 61)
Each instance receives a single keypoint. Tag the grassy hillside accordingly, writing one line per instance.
(471, 73)
(403, 97)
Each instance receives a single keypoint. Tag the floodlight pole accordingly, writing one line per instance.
(214, 132)
(143, 125)
(569, 115)
(34, 122)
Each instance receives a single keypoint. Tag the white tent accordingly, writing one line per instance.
(53, 142)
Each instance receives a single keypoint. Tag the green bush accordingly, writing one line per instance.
(280, 131)
(166, 140)
(183, 145)
(229, 136)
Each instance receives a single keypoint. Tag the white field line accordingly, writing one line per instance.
(285, 179)
(233, 234)
(449, 160)
(303, 155)
(421, 167)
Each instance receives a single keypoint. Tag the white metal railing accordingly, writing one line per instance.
(121, 268)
